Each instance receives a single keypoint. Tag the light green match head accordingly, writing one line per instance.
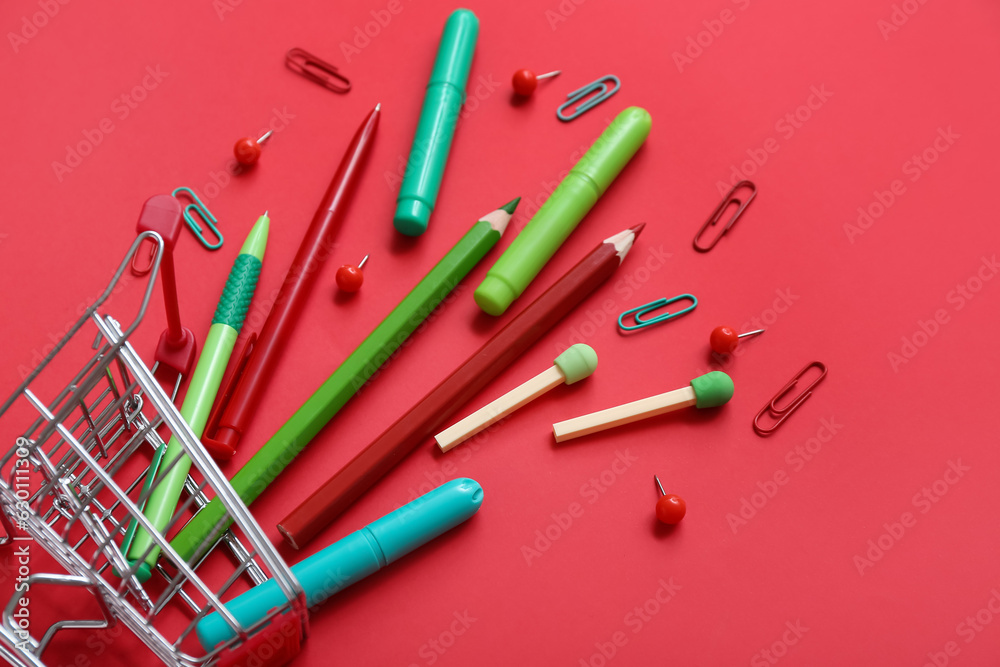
(577, 362)
(712, 389)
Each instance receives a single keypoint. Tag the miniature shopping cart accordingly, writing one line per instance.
(81, 464)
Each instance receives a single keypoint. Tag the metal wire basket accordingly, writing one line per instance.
(80, 469)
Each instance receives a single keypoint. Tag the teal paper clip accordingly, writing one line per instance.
(206, 217)
(646, 309)
(600, 87)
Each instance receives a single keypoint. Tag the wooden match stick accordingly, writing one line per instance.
(708, 391)
(573, 365)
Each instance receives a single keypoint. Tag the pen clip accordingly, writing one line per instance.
(220, 450)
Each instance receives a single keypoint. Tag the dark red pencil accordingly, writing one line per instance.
(239, 399)
(423, 420)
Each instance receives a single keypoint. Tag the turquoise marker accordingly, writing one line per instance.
(205, 381)
(353, 558)
(438, 117)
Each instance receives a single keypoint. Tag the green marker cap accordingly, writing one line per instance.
(577, 362)
(712, 389)
(412, 217)
(589, 178)
(438, 118)
(494, 295)
(454, 56)
(608, 155)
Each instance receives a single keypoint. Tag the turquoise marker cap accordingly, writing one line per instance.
(436, 128)
(353, 558)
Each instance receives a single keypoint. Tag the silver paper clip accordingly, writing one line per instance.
(601, 87)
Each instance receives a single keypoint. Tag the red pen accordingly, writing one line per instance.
(239, 399)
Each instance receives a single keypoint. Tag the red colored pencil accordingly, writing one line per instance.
(424, 419)
(238, 401)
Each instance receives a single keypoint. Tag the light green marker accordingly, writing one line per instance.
(226, 324)
(563, 210)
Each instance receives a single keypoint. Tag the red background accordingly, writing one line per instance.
(856, 297)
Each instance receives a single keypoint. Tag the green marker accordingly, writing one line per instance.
(263, 467)
(226, 324)
(438, 117)
(563, 211)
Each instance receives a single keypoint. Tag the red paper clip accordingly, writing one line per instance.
(781, 414)
(717, 214)
(317, 70)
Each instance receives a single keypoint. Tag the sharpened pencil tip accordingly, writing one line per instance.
(378, 106)
(498, 220)
(265, 214)
(511, 206)
(624, 239)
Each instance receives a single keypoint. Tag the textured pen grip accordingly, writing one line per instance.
(236, 296)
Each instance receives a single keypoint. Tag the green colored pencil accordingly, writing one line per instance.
(205, 381)
(202, 531)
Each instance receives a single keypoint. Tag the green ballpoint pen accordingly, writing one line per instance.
(205, 381)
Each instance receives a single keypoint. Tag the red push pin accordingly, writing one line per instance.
(725, 339)
(525, 81)
(350, 277)
(670, 509)
(247, 150)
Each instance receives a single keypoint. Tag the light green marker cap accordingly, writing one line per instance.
(589, 178)
(577, 362)
(712, 389)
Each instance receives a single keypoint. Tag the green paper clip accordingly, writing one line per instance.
(646, 309)
(206, 216)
